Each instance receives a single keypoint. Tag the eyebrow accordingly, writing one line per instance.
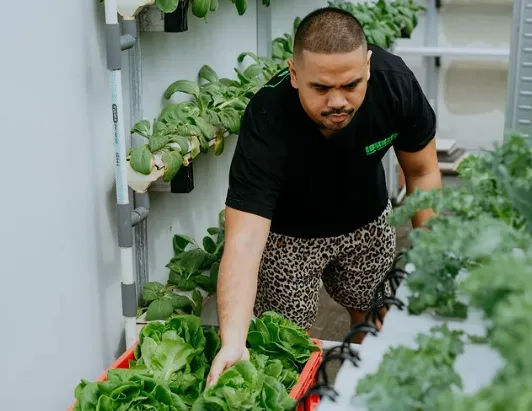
(347, 85)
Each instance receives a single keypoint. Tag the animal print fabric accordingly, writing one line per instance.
(350, 266)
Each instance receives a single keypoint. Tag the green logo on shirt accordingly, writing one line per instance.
(373, 148)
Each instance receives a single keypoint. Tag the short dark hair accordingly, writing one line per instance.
(329, 30)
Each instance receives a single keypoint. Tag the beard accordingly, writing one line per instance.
(328, 124)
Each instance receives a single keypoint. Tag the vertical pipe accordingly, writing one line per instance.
(431, 69)
(264, 30)
(140, 199)
(122, 193)
(111, 12)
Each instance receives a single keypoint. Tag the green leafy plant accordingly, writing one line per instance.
(178, 352)
(126, 390)
(383, 21)
(450, 245)
(413, 378)
(489, 184)
(189, 128)
(502, 288)
(201, 8)
(482, 230)
(192, 268)
(274, 333)
(167, 148)
(283, 47)
(476, 219)
(166, 6)
(245, 387)
(172, 361)
(161, 302)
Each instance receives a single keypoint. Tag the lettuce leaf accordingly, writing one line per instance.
(127, 390)
(278, 338)
(243, 387)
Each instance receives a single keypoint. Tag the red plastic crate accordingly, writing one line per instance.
(304, 382)
(312, 402)
(307, 377)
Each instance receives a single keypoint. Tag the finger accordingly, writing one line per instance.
(216, 369)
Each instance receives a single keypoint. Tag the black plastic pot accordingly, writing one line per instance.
(404, 34)
(176, 22)
(183, 182)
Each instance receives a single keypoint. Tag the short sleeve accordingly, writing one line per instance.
(256, 173)
(418, 122)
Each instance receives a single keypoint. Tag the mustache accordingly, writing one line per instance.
(337, 111)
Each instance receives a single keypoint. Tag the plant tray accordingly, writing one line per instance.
(305, 381)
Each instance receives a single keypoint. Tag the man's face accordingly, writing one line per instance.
(331, 87)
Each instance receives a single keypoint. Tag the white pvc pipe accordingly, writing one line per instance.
(122, 192)
(111, 12)
(130, 326)
(126, 268)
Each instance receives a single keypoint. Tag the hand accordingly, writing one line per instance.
(226, 357)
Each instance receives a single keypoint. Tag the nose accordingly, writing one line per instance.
(336, 99)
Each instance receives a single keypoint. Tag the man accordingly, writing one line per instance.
(307, 198)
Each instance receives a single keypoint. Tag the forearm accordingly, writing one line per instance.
(424, 182)
(237, 288)
(245, 239)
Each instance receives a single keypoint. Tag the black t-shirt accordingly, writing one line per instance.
(309, 185)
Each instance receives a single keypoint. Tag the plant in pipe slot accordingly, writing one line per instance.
(191, 269)
(241, 6)
(162, 156)
(502, 288)
(383, 22)
(283, 47)
(414, 378)
(161, 302)
(185, 129)
(498, 183)
(166, 6)
(257, 74)
(193, 266)
(451, 246)
(484, 227)
(489, 212)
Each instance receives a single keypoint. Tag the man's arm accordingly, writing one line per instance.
(245, 239)
(421, 171)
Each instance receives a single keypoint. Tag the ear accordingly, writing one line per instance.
(368, 62)
(292, 68)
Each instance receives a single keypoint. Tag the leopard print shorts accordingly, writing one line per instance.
(350, 267)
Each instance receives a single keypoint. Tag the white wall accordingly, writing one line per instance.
(167, 57)
(471, 93)
(284, 13)
(61, 304)
(61, 299)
